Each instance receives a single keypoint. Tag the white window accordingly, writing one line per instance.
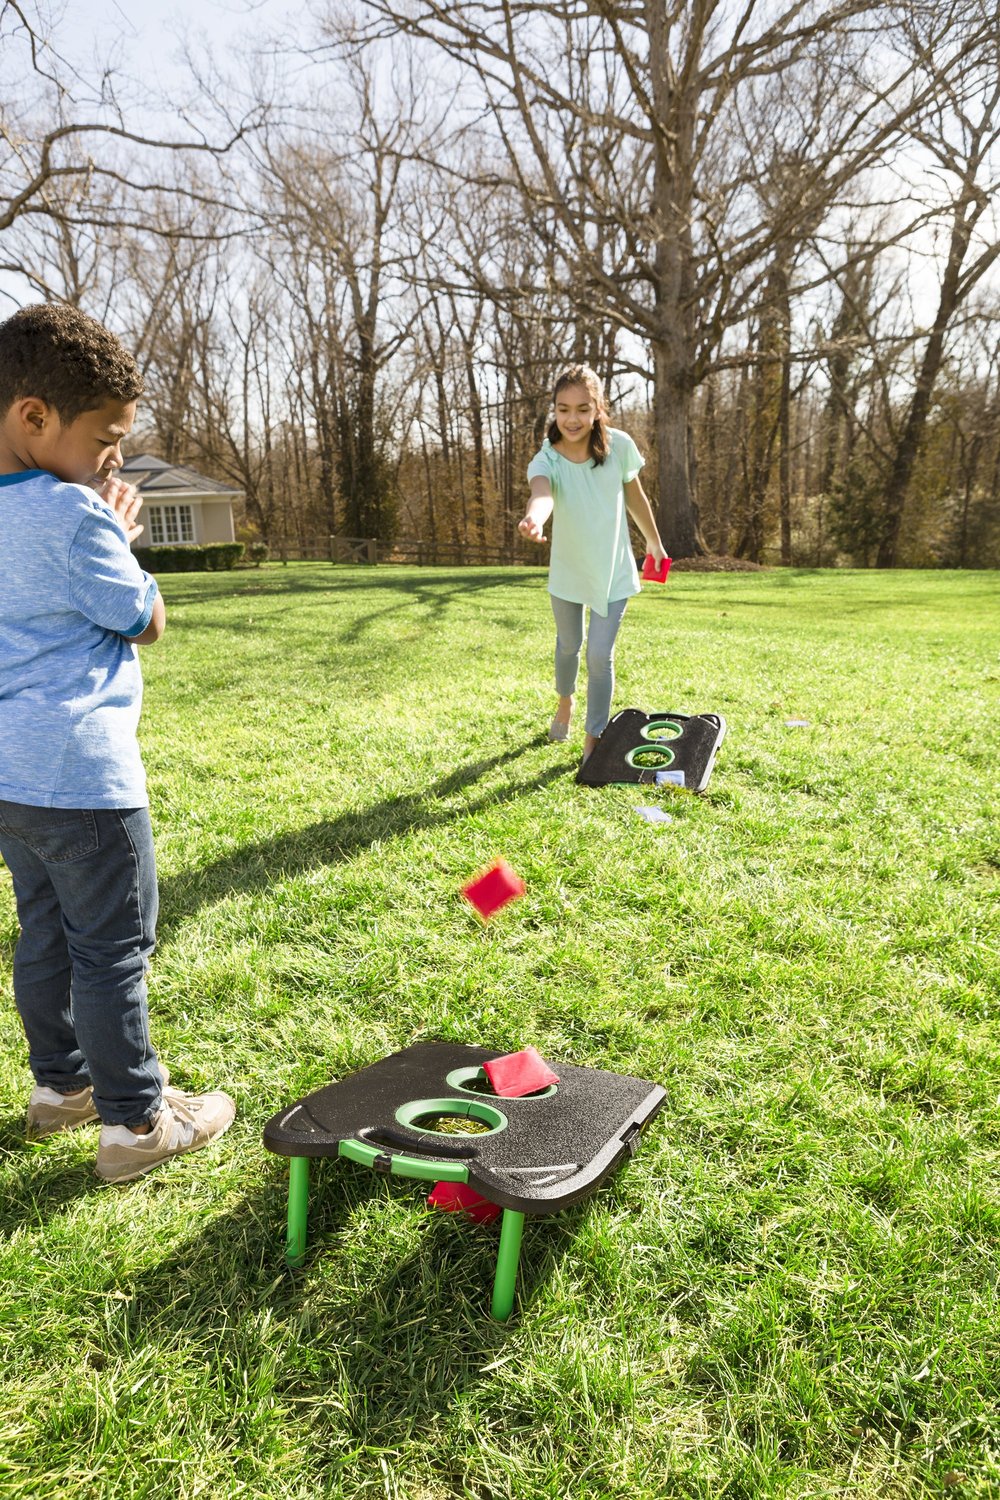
(169, 524)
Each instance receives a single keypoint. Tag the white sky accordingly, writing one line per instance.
(145, 38)
(142, 45)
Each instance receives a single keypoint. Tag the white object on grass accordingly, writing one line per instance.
(654, 815)
(670, 778)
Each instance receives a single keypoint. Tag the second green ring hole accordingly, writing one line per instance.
(475, 1081)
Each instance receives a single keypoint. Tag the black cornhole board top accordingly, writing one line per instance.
(556, 1149)
(694, 749)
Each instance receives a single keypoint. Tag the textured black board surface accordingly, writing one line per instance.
(694, 749)
(555, 1150)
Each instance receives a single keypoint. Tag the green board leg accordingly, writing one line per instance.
(298, 1209)
(508, 1256)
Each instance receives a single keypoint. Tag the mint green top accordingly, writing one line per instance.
(591, 561)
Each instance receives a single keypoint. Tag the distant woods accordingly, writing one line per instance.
(772, 229)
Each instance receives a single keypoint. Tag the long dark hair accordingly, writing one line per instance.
(600, 433)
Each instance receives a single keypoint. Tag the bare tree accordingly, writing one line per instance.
(339, 225)
(625, 151)
(69, 160)
(966, 428)
(677, 193)
(960, 130)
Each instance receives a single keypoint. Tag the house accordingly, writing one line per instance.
(179, 505)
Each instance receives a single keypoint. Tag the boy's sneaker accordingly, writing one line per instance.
(185, 1123)
(49, 1111)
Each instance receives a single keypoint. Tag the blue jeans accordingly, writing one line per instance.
(601, 633)
(85, 883)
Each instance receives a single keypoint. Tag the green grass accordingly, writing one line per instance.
(791, 1291)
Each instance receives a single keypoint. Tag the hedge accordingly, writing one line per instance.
(214, 557)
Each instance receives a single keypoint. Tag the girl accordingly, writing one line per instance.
(586, 475)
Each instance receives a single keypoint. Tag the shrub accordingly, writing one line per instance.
(213, 557)
(258, 552)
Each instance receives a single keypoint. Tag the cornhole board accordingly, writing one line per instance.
(687, 743)
(538, 1153)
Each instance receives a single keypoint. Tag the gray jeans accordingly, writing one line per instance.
(601, 633)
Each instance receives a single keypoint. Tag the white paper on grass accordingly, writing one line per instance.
(654, 815)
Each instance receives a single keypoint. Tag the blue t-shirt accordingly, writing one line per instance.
(70, 684)
(591, 561)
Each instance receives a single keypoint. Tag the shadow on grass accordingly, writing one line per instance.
(424, 587)
(436, 596)
(416, 601)
(362, 1346)
(355, 1351)
(255, 866)
(38, 1182)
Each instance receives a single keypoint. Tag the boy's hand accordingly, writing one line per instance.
(530, 528)
(125, 501)
(657, 551)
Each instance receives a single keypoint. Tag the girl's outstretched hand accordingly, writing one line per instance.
(530, 528)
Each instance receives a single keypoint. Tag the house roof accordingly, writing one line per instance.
(154, 476)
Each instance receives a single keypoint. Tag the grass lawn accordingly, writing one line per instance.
(792, 1290)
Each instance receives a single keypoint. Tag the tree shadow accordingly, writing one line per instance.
(436, 597)
(256, 866)
(446, 583)
(38, 1184)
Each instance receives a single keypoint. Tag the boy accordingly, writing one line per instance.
(74, 816)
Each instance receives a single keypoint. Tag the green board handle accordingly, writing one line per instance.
(399, 1164)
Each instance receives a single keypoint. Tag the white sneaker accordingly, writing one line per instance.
(186, 1122)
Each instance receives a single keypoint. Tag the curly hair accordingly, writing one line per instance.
(600, 435)
(62, 356)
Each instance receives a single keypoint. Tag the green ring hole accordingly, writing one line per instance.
(650, 758)
(457, 1109)
(475, 1081)
(663, 729)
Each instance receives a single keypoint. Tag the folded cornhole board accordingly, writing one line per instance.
(636, 746)
(536, 1154)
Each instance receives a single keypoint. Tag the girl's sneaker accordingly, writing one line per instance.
(186, 1122)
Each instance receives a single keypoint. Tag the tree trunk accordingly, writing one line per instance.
(764, 427)
(732, 462)
(898, 483)
(673, 346)
(677, 514)
(785, 461)
(784, 328)
(475, 414)
(712, 448)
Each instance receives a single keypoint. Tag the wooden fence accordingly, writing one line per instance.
(459, 554)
